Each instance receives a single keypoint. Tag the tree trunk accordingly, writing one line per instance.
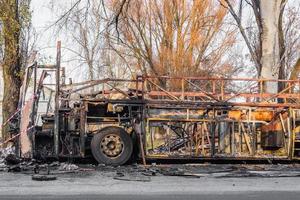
(11, 61)
(282, 68)
(12, 85)
(271, 62)
(295, 71)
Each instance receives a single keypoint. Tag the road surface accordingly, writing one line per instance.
(102, 185)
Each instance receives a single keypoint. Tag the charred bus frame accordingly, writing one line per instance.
(162, 117)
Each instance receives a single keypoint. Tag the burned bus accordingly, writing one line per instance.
(118, 120)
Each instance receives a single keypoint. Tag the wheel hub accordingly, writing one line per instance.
(111, 145)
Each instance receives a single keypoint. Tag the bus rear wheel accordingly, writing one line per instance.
(112, 146)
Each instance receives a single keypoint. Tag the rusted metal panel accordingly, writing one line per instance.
(25, 142)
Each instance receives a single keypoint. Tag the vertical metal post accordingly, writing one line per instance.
(290, 133)
(137, 86)
(213, 139)
(222, 90)
(57, 91)
(142, 134)
(233, 147)
(182, 88)
(33, 117)
(63, 76)
(83, 125)
(213, 129)
(34, 77)
(143, 87)
(261, 88)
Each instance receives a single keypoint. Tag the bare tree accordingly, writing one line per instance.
(175, 38)
(291, 24)
(86, 25)
(270, 49)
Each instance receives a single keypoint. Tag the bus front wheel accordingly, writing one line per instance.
(112, 146)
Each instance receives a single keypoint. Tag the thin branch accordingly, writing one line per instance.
(64, 15)
(243, 32)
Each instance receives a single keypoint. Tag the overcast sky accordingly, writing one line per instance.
(44, 16)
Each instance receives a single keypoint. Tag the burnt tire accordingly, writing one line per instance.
(112, 146)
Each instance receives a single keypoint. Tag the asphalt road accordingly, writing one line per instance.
(100, 185)
(224, 196)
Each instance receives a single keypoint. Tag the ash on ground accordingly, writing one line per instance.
(136, 172)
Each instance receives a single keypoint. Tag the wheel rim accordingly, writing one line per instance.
(112, 146)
